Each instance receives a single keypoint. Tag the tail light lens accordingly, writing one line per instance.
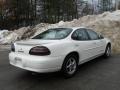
(40, 51)
(13, 47)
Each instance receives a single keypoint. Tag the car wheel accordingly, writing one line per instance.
(70, 66)
(107, 51)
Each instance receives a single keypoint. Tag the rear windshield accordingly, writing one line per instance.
(54, 34)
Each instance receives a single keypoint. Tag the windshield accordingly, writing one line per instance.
(54, 34)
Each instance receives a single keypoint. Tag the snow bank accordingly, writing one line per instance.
(107, 23)
(7, 37)
(3, 33)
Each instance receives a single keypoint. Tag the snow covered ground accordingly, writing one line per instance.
(107, 23)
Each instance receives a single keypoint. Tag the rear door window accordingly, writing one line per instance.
(93, 35)
(80, 34)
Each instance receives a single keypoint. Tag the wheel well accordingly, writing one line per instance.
(74, 53)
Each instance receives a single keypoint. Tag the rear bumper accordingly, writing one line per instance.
(40, 64)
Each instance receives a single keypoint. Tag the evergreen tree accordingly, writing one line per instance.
(56, 10)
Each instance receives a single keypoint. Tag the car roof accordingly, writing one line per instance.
(74, 28)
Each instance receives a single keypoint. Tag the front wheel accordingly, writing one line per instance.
(107, 51)
(70, 66)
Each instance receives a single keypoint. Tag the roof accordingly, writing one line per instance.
(74, 28)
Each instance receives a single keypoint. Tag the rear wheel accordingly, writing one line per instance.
(70, 66)
(108, 51)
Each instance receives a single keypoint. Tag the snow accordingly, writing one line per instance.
(7, 37)
(3, 33)
(107, 23)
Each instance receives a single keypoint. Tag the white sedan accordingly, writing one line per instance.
(59, 49)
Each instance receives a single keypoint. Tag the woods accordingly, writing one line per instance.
(18, 13)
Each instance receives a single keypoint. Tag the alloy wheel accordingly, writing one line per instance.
(71, 66)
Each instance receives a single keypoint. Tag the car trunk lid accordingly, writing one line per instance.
(25, 46)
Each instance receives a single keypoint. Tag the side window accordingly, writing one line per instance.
(93, 35)
(80, 34)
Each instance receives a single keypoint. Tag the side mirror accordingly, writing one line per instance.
(100, 36)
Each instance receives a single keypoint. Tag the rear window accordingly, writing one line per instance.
(54, 34)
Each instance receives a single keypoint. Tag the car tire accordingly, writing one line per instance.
(107, 51)
(70, 66)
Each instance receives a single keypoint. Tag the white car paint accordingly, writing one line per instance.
(87, 50)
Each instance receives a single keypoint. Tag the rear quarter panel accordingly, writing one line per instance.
(61, 48)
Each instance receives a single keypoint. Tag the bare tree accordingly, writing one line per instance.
(105, 5)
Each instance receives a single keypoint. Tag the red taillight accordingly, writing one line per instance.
(40, 51)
